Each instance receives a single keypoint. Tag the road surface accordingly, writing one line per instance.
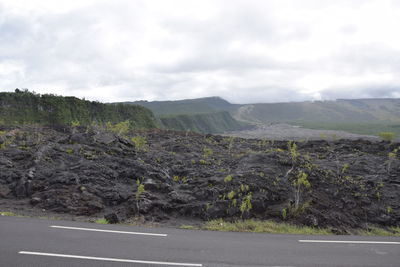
(39, 242)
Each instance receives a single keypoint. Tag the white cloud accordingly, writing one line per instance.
(242, 50)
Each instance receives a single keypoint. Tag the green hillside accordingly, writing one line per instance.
(187, 106)
(203, 115)
(24, 107)
(216, 122)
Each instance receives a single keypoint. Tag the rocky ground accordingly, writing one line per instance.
(162, 176)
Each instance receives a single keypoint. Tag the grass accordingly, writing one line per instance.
(375, 231)
(271, 227)
(188, 227)
(7, 213)
(101, 221)
(263, 227)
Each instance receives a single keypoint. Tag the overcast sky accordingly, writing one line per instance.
(244, 51)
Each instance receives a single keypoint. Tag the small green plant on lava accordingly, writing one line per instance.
(139, 191)
(387, 136)
(391, 158)
(246, 205)
(140, 143)
(300, 184)
(207, 152)
(228, 178)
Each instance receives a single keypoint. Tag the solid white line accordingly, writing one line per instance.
(349, 242)
(106, 231)
(108, 259)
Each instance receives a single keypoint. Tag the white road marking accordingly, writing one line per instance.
(106, 231)
(349, 242)
(108, 259)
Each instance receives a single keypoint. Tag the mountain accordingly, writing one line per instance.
(364, 116)
(202, 115)
(24, 107)
(187, 106)
(342, 110)
(360, 116)
(216, 122)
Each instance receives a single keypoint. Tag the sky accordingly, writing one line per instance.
(246, 51)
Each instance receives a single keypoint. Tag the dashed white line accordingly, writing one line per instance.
(106, 231)
(109, 259)
(350, 242)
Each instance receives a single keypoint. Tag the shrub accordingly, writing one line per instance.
(120, 128)
(75, 123)
(292, 148)
(139, 192)
(387, 136)
(202, 162)
(246, 203)
(139, 142)
(140, 189)
(300, 183)
(101, 221)
(284, 213)
(228, 179)
(207, 152)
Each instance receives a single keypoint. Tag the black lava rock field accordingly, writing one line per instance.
(161, 175)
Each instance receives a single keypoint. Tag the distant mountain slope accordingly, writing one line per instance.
(361, 116)
(352, 110)
(24, 107)
(216, 122)
(203, 115)
(365, 116)
(187, 106)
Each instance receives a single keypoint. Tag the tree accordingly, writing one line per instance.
(300, 184)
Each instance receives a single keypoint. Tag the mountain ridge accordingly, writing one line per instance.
(361, 116)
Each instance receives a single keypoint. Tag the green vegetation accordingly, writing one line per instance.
(24, 107)
(207, 152)
(369, 128)
(246, 206)
(387, 136)
(101, 221)
(263, 227)
(228, 178)
(284, 213)
(292, 148)
(360, 116)
(140, 143)
(271, 227)
(139, 191)
(375, 231)
(203, 162)
(391, 158)
(120, 128)
(300, 184)
(6, 142)
(202, 123)
(188, 227)
(178, 179)
(7, 213)
(188, 106)
(231, 195)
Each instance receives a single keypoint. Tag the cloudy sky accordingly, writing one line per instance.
(244, 51)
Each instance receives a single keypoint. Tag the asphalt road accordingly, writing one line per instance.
(37, 242)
